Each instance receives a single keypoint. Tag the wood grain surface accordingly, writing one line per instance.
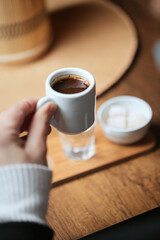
(107, 154)
(109, 196)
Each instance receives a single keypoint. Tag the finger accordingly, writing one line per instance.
(27, 122)
(23, 136)
(24, 133)
(12, 119)
(36, 141)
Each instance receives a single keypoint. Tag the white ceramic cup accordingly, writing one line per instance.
(75, 112)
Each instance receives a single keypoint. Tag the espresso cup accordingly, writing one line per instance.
(76, 111)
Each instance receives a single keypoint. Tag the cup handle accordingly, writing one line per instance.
(42, 101)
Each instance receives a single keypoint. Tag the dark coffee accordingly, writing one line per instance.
(70, 85)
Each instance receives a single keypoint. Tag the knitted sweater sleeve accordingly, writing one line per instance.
(24, 190)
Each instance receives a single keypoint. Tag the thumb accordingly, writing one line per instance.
(36, 140)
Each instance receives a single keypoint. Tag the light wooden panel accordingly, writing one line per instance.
(107, 154)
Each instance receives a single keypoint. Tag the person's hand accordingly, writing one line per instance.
(24, 117)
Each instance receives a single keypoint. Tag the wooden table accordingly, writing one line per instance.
(109, 196)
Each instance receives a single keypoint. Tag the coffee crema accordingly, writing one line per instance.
(70, 85)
